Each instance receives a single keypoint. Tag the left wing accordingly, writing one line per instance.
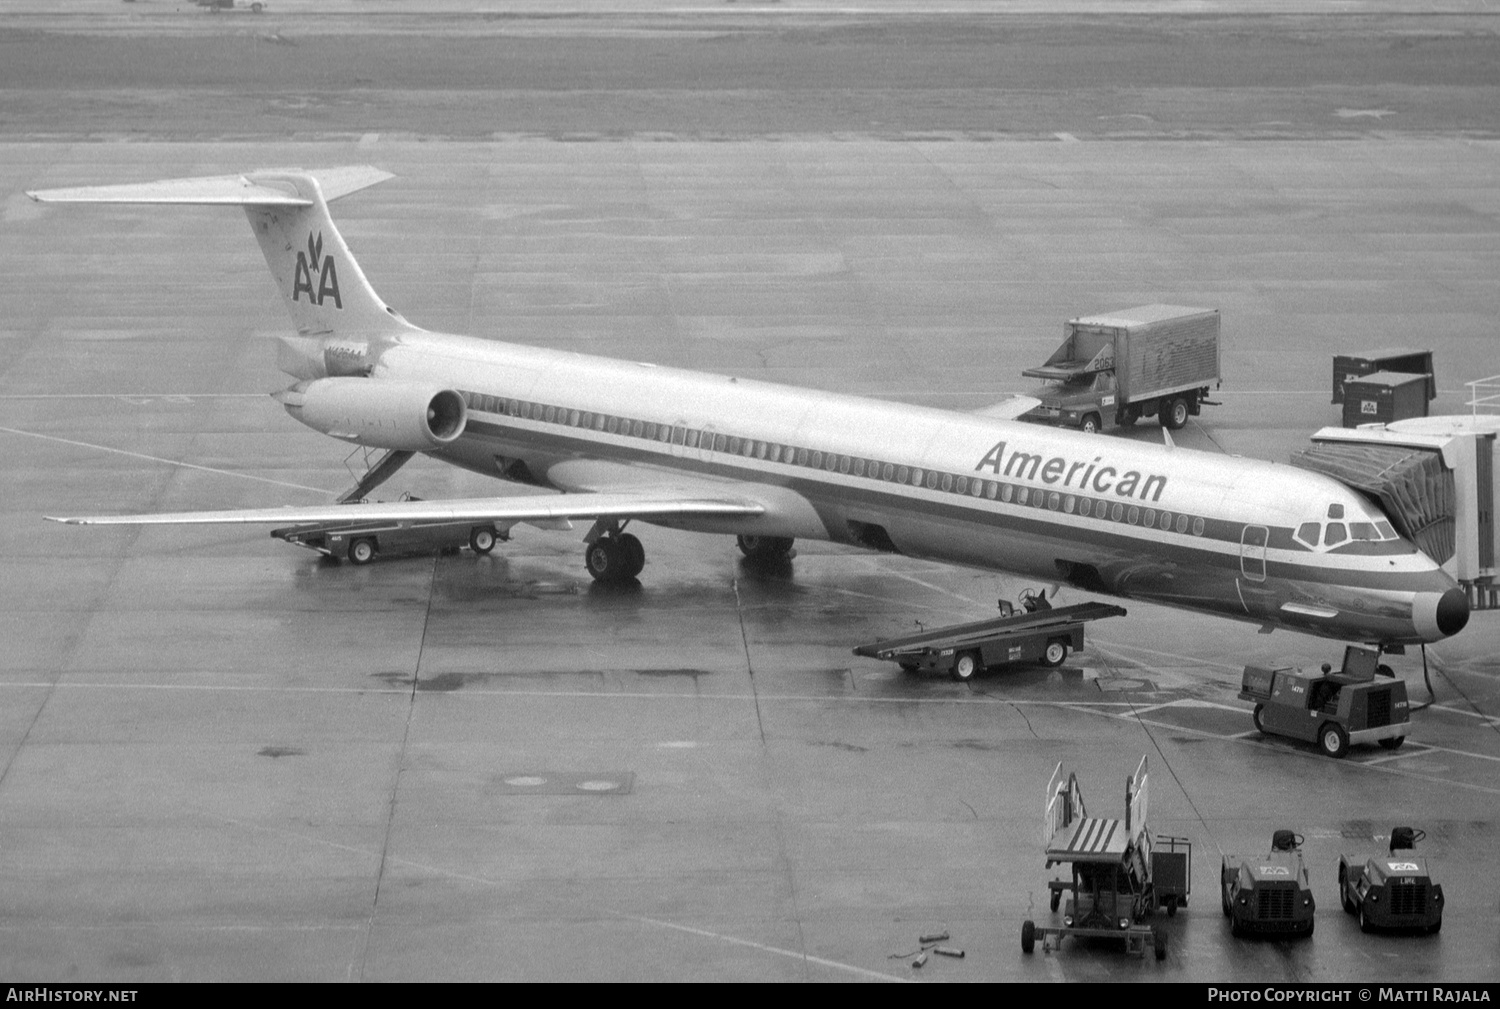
(540, 508)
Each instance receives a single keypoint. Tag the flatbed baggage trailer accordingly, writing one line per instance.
(1121, 872)
(361, 542)
(1044, 635)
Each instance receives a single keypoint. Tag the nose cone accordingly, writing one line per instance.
(1440, 615)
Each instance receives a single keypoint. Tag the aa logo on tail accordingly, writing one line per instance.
(314, 262)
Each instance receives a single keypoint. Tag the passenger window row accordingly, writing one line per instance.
(832, 462)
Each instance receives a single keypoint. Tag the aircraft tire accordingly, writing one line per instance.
(1175, 413)
(764, 548)
(604, 560)
(362, 551)
(633, 555)
(1332, 739)
(482, 539)
(1054, 653)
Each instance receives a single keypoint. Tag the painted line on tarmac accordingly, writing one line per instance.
(674, 926)
(170, 462)
(1373, 764)
(804, 957)
(403, 689)
(1190, 660)
(1491, 719)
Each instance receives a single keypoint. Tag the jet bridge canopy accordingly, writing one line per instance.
(1412, 486)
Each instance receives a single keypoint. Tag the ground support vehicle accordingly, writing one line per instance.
(1152, 361)
(1268, 894)
(1394, 892)
(1332, 709)
(1044, 634)
(361, 542)
(1120, 871)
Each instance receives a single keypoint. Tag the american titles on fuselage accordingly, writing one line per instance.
(1099, 479)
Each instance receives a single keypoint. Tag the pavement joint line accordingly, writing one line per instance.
(169, 462)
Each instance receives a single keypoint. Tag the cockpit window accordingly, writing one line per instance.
(1308, 532)
(1362, 531)
(1335, 534)
(1335, 511)
(1385, 530)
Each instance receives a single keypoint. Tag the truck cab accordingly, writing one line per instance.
(1269, 893)
(1082, 400)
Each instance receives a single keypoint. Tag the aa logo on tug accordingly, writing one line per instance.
(313, 262)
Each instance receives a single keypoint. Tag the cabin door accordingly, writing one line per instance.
(1253, 553)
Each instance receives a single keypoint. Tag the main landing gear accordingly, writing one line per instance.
(614, 557)
(765, 548)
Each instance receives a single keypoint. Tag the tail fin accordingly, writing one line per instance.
(325, 290)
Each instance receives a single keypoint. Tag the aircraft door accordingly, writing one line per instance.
(679, 441)
(1253, 553)
(705, 448)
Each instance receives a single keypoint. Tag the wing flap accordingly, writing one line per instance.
(500, 509)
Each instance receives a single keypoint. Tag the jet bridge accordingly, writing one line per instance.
(1434, 477)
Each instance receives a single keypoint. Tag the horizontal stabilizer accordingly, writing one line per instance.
(253, 189)
(496, 509)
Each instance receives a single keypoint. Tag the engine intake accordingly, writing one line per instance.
(408, 416)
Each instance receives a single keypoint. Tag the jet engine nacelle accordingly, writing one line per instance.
(408, 416)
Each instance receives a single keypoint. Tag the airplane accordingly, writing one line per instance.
(626, 442)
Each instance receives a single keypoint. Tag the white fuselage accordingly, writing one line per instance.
(1230, 536)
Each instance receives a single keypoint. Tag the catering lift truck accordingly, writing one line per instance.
(1392, 892)
(1121, 872)
(1333, 709)
(1268, 893)
(1039, 634)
